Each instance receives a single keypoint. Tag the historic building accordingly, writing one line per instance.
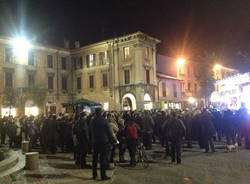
(120, 73)
(43, 66)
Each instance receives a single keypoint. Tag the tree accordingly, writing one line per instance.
(38, 95)
(9, 97)
(205, 75)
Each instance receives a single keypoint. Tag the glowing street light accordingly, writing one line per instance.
(217, 67)
(191, 100)
(180, 62)
(21, 47)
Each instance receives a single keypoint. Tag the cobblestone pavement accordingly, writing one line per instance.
(197, 168)
(55, 169)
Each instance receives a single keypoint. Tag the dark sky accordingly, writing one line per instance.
(192, 28)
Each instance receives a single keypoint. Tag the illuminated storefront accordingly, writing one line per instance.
(9, 112)
(232, 92)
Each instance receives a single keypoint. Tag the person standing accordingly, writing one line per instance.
(175, 132)
(82, 137)
(147, 129)
(101, 136)
(131, 136)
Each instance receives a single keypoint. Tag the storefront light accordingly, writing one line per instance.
(31, 111)
(106, 106)
(9, 112)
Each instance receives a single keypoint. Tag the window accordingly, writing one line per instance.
(105, 80)
(74, 63)
(63, 63)
(79, 62)
(174, 90)
(104, 58)
(126, 77)
(50, 61)
(79, 83)
(31, 80)
(164, 93)
(31, 60)
(147, 52)
(126, 52)
(148, 76)
(195, 88)
(8, 79)
(188, 69)
(189, 86)
(91, 81)
(64, 83)
(90, 60)
(8, 55)
(50, 82)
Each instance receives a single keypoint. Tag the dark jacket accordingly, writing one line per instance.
(175, 129)
(100, 130)
(81, 131)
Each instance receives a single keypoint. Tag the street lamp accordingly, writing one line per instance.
(217, 67)
(180, 62)
(191, 100)
(21, 47)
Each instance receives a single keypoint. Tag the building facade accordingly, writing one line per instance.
(43, 67)
(119, 73)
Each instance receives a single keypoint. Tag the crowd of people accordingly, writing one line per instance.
(102, 133)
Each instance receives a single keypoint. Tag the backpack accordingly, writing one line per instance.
(131, 132)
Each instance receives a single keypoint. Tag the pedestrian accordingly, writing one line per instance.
(82, 139)
(147, 129)
(131, 136)
(122, 140)
(175, 132)
(101, 136)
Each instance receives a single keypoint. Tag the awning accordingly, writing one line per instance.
(83, 102)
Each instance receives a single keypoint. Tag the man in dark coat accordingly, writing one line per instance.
(101, 136)
(50, 134)
(175, 132)
(3, 129)
(82, 137)
(147, 129)
(207, 130)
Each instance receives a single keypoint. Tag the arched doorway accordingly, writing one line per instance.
(129, 102)
(148, 105)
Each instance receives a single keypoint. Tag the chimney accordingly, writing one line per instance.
(66, 43)
(77, 44)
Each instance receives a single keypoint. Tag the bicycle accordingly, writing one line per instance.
(141, 155)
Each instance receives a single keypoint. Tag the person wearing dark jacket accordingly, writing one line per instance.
(50, 134)
(101, 136)
(82, 137)
(175, 132)
(207, 130)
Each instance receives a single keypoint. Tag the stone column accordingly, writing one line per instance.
(32, 161)
(139, 98)
(154, 65)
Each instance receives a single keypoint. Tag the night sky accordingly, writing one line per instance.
(193, 29)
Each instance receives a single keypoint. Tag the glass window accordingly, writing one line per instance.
(64, 83)
(126, 76)
(31, 80)
(79, 62)
(189, 86)
(8, 55)
(91, 81)
(50, 82)
(79, 83)
(31, 60)
(8, 79)
(63, 63)
(148, 76)
(164, 93)
(195, 88)
(174, 90)
(104, 57)
(50, 61)
(105, 80)
(90, 60)
(126, 52)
